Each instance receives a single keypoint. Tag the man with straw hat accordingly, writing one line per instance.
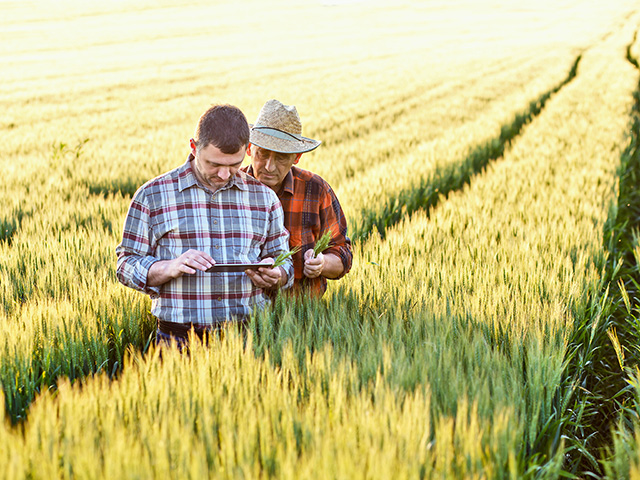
(310, 205)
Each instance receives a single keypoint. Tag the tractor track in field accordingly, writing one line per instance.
(362, 125)
(397, 106)
(592, 360)
(427, 193)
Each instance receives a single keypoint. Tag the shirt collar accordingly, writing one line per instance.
(187, 178)
(287, 184)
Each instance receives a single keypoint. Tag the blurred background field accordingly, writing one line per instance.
(476, 150)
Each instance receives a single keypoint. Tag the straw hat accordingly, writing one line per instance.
(278, 129)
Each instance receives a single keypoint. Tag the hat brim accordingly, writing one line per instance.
(275, 144)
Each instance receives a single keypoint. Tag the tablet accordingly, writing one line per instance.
(235, 267)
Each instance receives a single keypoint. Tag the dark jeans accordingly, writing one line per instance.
(179, 332)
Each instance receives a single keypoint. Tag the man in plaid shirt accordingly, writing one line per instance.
(183, 222)
(311, 208)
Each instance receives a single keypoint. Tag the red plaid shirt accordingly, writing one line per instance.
(310, 209)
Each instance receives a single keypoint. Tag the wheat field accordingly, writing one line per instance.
(483, 153)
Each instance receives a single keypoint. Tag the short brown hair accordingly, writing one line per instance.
(223, 126)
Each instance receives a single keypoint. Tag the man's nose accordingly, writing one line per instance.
(224, 173)
(271, 165)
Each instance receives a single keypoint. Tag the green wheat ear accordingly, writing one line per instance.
(323, 243)
(283, 256)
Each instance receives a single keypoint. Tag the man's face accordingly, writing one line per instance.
(271, 167)
(214, 168)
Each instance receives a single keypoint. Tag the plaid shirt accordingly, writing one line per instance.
(310, 209)
(240, 223)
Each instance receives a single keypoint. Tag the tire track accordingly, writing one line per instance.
(427, 193)
(595, 389)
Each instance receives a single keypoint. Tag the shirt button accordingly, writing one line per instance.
(215, 222)
(219, 299)
(216, 246)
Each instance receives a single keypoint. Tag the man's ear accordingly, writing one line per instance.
(295, 162)
(192, 144)
(249, 149)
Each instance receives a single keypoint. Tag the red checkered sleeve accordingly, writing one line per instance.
(310, 209)
(332, 218)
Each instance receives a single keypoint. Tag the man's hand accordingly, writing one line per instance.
(328, 265)
(190, 261)
(313, 266)
(267, 277)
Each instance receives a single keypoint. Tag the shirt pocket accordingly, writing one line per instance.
(252, 236)
(175, 236)
(242, 255)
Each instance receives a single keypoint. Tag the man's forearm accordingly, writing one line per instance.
(333, 266)
(159, 273)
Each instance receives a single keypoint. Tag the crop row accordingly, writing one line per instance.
(445, 177)
(619, 361)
